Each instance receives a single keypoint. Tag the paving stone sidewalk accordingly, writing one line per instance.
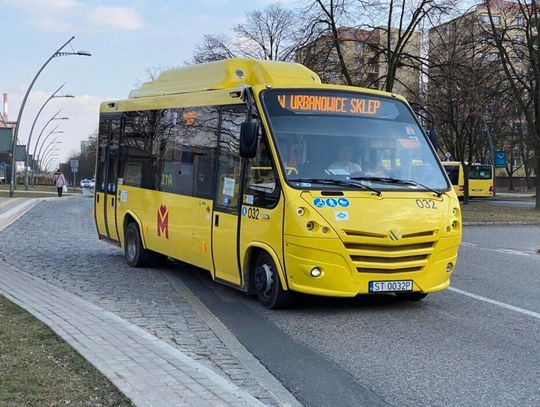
(146, 369)
(56, 242)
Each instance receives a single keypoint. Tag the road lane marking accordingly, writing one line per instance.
(469, 244)
(498, 303)
(500, 250)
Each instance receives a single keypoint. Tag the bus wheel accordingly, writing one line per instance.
(267, 284)
(411, 296)
(136, 254)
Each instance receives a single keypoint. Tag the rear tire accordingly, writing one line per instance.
(411, 296)
(134, 251)
(267, 283)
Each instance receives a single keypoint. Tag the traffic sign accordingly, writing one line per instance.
(500, 159)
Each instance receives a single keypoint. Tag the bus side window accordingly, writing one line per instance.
(261, 186)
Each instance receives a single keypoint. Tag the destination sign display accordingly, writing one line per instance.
(335, 103)
(332, 104)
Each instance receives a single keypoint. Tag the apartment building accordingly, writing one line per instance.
(364, 55)
(466, 76)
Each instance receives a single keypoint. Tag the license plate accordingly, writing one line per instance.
(390, 286)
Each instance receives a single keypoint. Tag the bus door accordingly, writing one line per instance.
(106, 178)
(226, 199)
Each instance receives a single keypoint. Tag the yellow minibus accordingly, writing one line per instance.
(480, 181)
(275, 183)
(454, 170)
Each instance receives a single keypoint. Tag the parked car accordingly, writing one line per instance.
(85, 183)
(92, 183)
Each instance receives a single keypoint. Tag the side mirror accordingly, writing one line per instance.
(433, 138)
(249, 138)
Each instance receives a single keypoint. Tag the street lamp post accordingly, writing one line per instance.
(44, 127)
(52, 146)
(50, 160)
(53, 96)
(50, 153)
(45, 140)
(57, 53)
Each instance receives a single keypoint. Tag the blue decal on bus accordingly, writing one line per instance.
(343, 202)
(318, 202)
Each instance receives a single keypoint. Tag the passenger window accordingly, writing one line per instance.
(229, 159)
(261, 186)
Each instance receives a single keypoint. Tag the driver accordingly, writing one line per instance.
(344, 163)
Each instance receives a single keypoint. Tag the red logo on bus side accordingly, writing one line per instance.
(163, 221)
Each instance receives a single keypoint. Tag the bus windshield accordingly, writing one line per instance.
(335, 137)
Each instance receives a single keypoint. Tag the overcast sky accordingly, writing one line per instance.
(125, 39)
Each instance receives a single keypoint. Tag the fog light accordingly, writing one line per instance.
(455, 224)
(310, 226)
(315, 272)
(449, 267)
(325, 229)
(300, 211)
(454, 211)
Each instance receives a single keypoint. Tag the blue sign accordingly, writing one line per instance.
(500, 159)
(244, 211)
(343, 202)
(331, 202)
(318, 202)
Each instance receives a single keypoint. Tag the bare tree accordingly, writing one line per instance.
(467, 93)
(514, 27)
(272, 34)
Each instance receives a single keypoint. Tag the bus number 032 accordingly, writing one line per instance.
(253, 213)
(426, 203)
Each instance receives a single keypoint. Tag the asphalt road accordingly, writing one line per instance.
(476, 344)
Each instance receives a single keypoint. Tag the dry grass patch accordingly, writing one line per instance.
(37, 368)
(477, 211)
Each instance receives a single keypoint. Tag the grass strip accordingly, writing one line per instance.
(37, 368)
(477, 211)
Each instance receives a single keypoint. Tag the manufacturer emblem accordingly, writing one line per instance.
(163, 221)
(394, 235)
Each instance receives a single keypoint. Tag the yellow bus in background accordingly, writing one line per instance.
(454, 170)
(275, 183)
(481, 181)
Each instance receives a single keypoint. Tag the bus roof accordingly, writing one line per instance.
(230, 73)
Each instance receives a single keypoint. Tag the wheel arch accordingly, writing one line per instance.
(250, 255)
(128, 218)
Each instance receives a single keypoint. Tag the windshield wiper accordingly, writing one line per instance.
(343, 183)
(390, 180)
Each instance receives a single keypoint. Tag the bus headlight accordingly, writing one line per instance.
(315, 272)
(310, 225)
(300, 211)
(449, 267)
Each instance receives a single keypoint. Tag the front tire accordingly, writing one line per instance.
(411, 296)
(136, 255)
(267, 284)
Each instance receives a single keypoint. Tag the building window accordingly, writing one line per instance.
(519, 21)
(484, 19)
(360, 47)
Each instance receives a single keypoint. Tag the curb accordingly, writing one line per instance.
(12, 214)
(163, 364)
(250, 362)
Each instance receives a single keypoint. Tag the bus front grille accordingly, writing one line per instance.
(378, 253)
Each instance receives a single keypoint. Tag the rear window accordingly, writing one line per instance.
(480, 172)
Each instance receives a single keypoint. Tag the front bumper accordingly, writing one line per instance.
(341, 277)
